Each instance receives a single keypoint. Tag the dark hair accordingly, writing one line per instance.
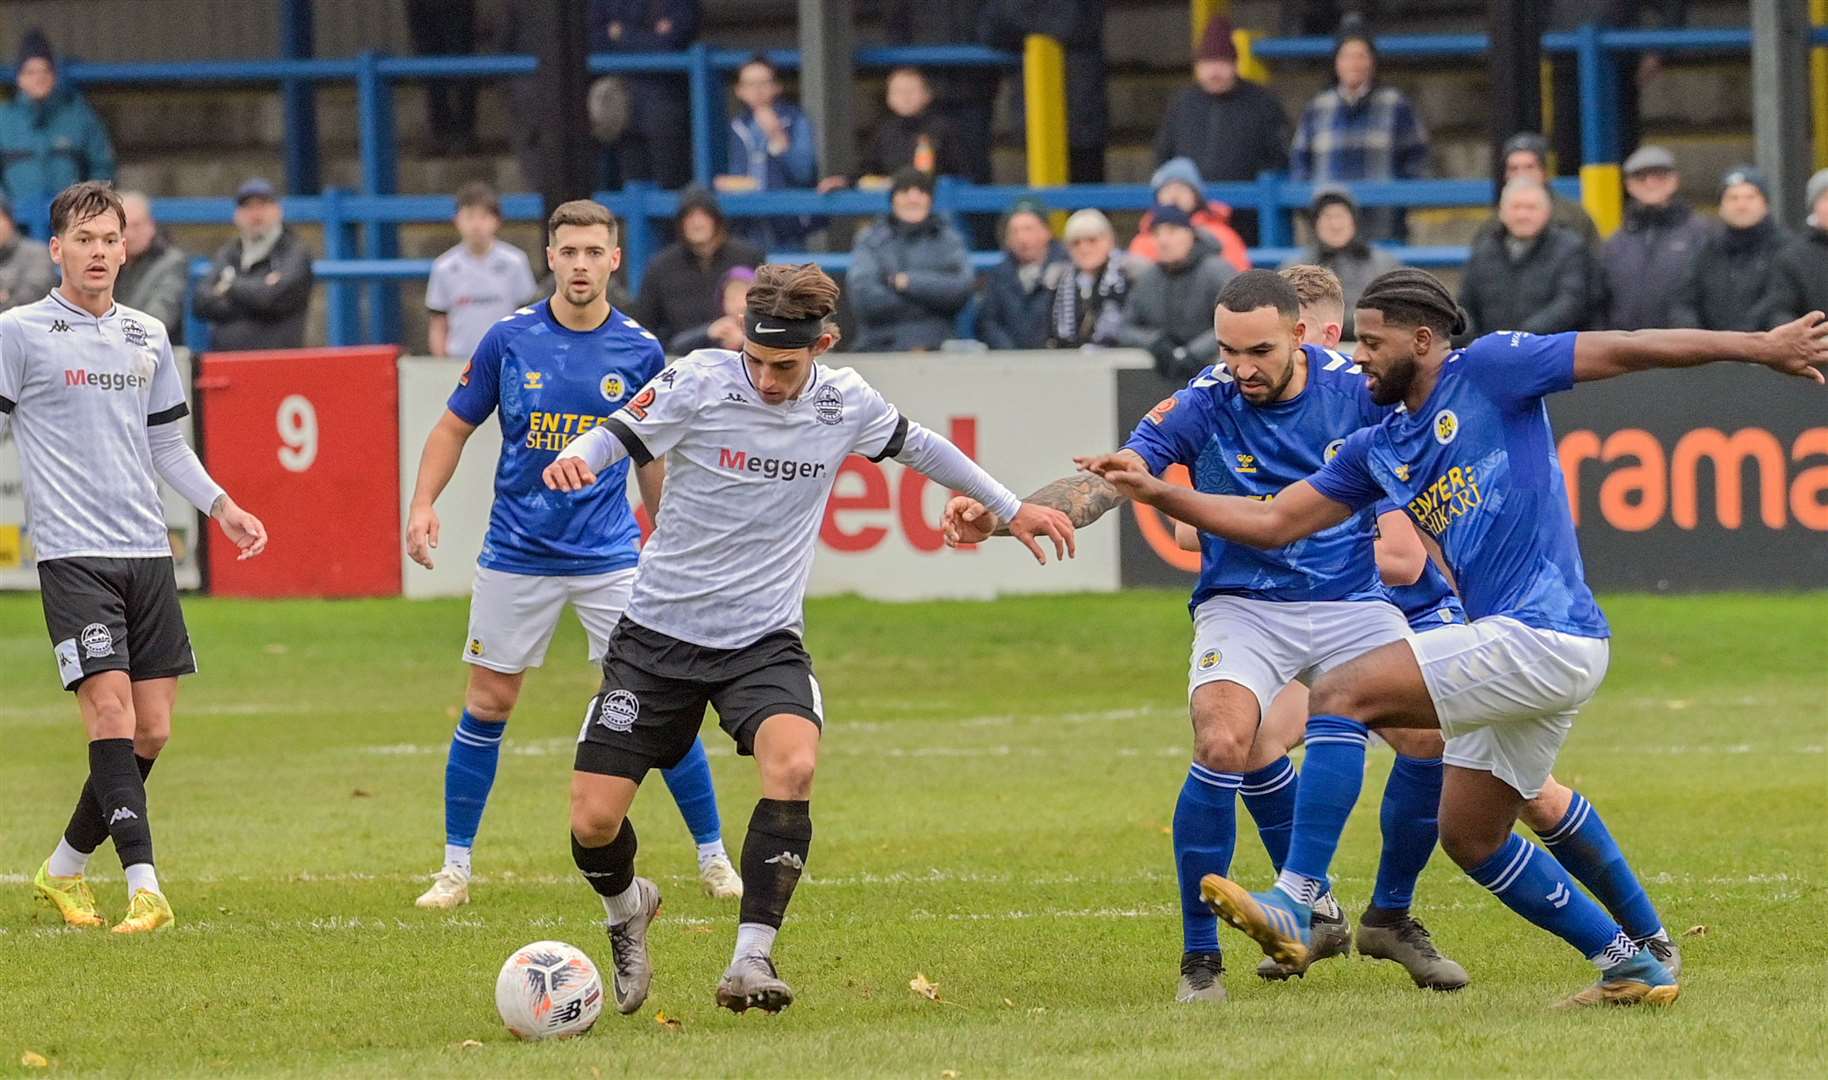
(80, 202)
(758, 58)
(1528, 142)
(479, 194)
(698, 199)
(909, 177)
(793, 292)
(1255, 289)
(1409, 297)
(581, 212)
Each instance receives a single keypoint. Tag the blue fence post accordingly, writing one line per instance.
(344, 314)
(699, 78)
(1599, 138)
(1273, 229)
(380, 176)
(638, 240)
(300, 100)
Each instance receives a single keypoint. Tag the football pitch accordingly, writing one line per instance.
(991, 816)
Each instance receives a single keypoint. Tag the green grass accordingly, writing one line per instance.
(992, 809)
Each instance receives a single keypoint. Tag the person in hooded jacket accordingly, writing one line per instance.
(1728, 285)
(49, 136)
(683, 284)
(910, 275)
(1339, 246)
(1169, 311)
(1177, 183)
(1019, 291)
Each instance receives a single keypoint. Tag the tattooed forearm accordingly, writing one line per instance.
(1082, 497)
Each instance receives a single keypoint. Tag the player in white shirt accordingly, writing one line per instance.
(93, 392)
(753, 441)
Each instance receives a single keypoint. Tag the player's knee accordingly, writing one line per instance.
(491, 700)
(789, 775)
(1334, 696)
(1221, 747)
(147, 744)
(593, 822)
(1544, 812)
(113, 719)
(1470, 843)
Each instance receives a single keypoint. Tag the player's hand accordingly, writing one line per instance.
(421, 535)
(1032, 522)
(568, 474)
(243, 528)
(1798, 347)
(1097, 464)
(1128, 475)
(967, 521)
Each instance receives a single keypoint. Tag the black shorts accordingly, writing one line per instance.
(114, 615)
(655, 689)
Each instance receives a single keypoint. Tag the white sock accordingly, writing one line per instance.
(624, 906)
(712, 850)
(66, 861)
(753, 939)
(1301, 889)
(140, 876)
(457, 856)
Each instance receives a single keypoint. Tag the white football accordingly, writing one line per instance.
(548, 990)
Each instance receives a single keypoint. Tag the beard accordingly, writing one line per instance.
(1393, 386)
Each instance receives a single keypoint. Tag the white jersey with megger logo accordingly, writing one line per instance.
(80, 392)
(746, 485)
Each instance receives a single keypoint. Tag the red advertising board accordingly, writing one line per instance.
(308, 439)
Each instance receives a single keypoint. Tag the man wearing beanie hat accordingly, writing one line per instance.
(1169, 311)
(1232, 128)
(910, 274)
(49, 136)
(1728, 286)
(25, 265)
(1799, 282)
(1177, 183)
(1359, 129)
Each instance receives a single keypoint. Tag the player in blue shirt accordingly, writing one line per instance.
(551, 372)
(1471, 457)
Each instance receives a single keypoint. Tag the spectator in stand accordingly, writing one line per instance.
(1730, 282)
(478, 282)
(1531, 275)
(910, 275)
(259, 286)
(157, 272)
(965, 96)
(1088, 304)
(771, 149)
(1340, 248)
(684, 281)
(1645, 262)
(1800, 280)
(1177, 183)
(725, 331)
(914, 134)
(1526, 157)
(26, 276)
(1232, 128)
(657, 144)
(49, 136)
(1019, 291)
(1359, 129)
(446, 28)
(1169, 310)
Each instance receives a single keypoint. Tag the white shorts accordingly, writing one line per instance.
(512, 616)
(1506, 694)
(1261, 645)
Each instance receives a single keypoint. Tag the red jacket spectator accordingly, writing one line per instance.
(1177, 183)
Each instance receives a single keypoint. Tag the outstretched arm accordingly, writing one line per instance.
(1082, 497)
(1795, 348)
(1296, 512)
(934, 456)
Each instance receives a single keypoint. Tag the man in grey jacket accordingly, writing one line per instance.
(1644, 263)
(910, 275)
(258, 290)
(157, 273)
(1169, 312)
(25, 265)
(1530, 275)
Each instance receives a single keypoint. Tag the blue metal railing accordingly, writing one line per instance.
(347, 274)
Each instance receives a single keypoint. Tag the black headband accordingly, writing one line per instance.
(775, 332)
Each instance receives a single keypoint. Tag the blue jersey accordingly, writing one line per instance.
(1429, 601)
(551, 385)
(1476, 468)
(1235, 448)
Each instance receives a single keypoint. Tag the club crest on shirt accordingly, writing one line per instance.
(97, 641)
(1210, 659)
(619, 710)
(612, 387)
(1446, 426)
(828, 405)
(475, 646)
(134, 333)
(1332, 450)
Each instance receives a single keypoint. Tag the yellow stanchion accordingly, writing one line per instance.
(1602, 192)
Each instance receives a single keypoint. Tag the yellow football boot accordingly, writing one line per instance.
(148, 911)
(71, 896)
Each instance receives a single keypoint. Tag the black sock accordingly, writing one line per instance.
(610, 869)
(774, 854)
(88, 828)
(120, 793)
(1377, 916)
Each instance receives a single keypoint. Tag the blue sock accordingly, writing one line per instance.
(1269, 795)
(1331, 779)
(1535, 886)
(1205, 832)
(690, 783)
(1583, 844)
(1410, 817)
(468, 775)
